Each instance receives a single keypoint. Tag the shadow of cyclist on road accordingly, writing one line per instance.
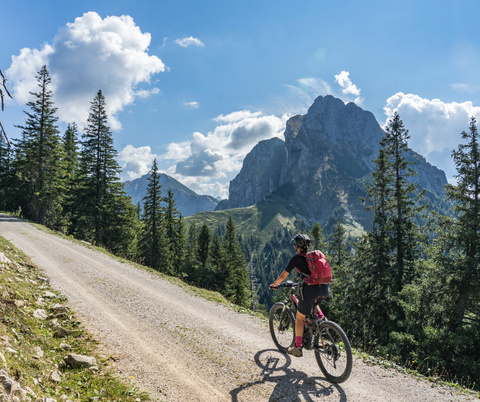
(291, 385)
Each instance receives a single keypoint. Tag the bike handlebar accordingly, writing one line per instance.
(287, 284)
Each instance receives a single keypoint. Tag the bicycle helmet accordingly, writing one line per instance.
(302, 241)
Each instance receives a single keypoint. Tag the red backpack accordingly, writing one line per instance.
(320, 271)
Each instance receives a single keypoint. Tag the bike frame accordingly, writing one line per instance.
(311, 322)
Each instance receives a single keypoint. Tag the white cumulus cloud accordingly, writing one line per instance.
(87, 55)
(348, 87)
(220, 153)
(135, 162)
(190, 41)
(434, 126)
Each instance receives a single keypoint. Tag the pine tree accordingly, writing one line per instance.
(236, 283)
(153, 241)
(217, 258)
(442, 305)
(190, 265)
(171, 219)
(40, 157)
(104, 213)
(338, 246)
(205, 276)
(465, 233)
(180, 239)
(318, 238)
(203, 245)
(405, 229)
(71, 163)
(386, 260)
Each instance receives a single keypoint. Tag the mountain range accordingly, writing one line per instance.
(317, 173)
(323, 166)
(188, 201)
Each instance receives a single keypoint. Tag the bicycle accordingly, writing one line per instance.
(332, 347)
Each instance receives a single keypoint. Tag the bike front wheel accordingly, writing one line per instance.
(282, 326)
(333, 352)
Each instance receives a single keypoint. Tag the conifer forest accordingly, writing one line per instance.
(408, 288)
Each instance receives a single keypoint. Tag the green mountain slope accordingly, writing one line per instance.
(261, 219)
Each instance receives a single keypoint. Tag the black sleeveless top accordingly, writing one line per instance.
(300, 262)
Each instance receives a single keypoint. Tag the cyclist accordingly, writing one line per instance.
(309, 293)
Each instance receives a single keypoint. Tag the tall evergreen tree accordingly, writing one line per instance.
(236, 283)
(338, 246)
(203, 245)
(104, 212)
(217, 258)
(71, 162)
(205, 275)
(153, 241)
(443, 304)
(318, 238)
(40, 157)
(171, 224)
(179, 243)
(386, 260)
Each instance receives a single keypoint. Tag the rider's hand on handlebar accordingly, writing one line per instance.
(273, 287)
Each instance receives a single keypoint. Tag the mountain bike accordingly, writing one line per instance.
(329, 342)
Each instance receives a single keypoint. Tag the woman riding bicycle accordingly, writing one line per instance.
(309, 293)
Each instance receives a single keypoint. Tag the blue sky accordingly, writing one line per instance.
(197, 84)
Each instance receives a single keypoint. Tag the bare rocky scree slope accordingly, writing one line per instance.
(184, 348)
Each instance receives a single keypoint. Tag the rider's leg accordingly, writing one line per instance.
(319, 312)
(300, 320)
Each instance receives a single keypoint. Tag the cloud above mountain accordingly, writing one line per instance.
(205, 159)
(85, 56)
(221, 151)
(434, 126)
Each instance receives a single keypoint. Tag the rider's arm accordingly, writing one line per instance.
(280, 279)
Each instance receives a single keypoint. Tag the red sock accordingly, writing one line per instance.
(298, 341)
(320, 315)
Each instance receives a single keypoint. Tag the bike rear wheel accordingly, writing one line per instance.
(282, 326)
(333, 352)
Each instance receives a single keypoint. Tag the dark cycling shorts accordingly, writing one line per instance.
(310, 294)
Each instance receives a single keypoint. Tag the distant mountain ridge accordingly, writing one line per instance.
(323, 166)
(188, 201)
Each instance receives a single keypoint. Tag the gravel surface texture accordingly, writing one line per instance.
(183, 348)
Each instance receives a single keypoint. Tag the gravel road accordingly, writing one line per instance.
(184, 348)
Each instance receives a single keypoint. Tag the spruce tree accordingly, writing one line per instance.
(179, 243)
(205, 276)
(171, 218)
(442, 305)
(236, 283)
(104, 213)
(318, 238)
(203, 245)
(39, 158)
(217, 258)
(153, 241)
(338, 247)
(464, 233)
(386, 260)
(71, 163)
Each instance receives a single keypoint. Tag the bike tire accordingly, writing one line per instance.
(282, 326)
(334, 355)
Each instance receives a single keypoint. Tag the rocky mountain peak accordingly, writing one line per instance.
(325, 161)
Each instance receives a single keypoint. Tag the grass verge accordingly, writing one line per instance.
(32, 350)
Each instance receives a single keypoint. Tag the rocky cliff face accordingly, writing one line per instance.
(188, 202)
(250, 185)
(323, 166)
